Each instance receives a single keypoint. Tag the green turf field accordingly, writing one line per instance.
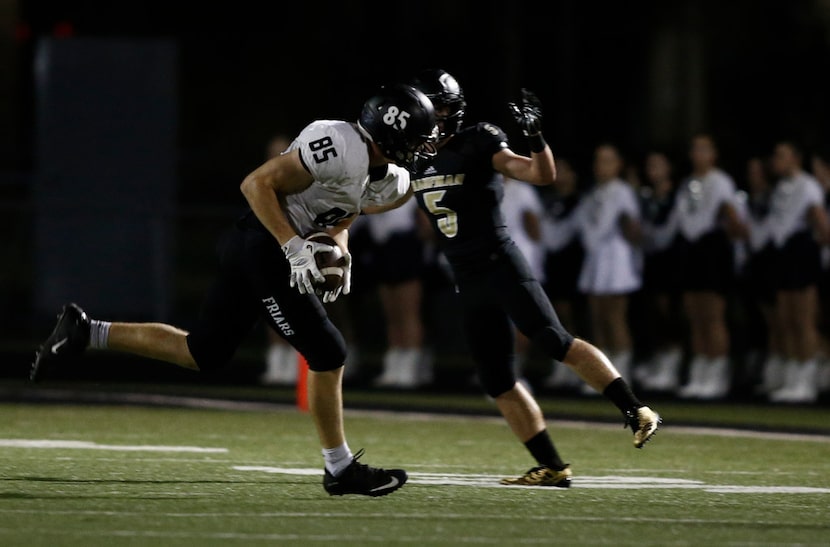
(122, 475)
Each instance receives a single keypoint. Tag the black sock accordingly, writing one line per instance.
(619, 392)
(541, 447)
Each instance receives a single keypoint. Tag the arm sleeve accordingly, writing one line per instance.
(389, 189)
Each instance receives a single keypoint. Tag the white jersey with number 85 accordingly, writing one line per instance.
(336, 155)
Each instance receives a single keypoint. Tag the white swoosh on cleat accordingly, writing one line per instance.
(57, 345)
(393, 482)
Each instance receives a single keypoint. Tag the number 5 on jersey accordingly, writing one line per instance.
(447, 219)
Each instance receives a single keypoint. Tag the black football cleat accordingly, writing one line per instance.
(361, 479)
(69, 339)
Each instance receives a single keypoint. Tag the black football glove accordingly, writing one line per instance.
(529, 114)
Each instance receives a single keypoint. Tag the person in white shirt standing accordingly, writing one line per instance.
(564, 254)
(708, 222)
(820, 167)
(799, 227)
(660, 289)
(610, 229)
(758, 272)
(398, 264)
(522, 210)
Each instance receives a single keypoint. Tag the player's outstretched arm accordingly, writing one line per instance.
(375, 209)
(539, 168)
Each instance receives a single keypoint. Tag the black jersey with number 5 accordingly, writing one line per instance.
(460, 192)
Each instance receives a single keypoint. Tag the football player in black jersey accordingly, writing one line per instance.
(460, 191)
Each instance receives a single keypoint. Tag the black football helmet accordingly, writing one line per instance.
(443, 90)
(401, 121)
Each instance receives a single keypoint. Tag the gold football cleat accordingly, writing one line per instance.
(644, 424)
(542, 476)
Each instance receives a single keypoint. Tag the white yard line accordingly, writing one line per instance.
(225, 404)
(440, 515)
(605, 482)
(585, 424)
(299, 539)
(86, 445)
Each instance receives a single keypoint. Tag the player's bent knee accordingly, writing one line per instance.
(497, 380)
(325, 355)
(327, 363)
(556, 341)
(325, 351)
(206, 357)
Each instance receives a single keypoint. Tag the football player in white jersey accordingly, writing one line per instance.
(332, 171)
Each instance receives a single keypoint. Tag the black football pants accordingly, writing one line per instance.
(252, 285)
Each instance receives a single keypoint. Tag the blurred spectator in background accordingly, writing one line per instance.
(398, 263)
(631, 175)
(799, 225)
(660, 290)
(757, 274)
(708, 223)
(610, 230)
(820, 165)
(564, 254)
(522, 210)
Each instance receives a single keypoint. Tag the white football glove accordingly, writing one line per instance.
(346, 286)
(304, 271)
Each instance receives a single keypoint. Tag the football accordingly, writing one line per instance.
(330, 263)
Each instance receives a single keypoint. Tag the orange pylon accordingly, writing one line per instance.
(302, 383)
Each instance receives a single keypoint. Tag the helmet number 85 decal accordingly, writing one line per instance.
(395, 117)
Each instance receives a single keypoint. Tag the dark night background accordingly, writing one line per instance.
(642, 75)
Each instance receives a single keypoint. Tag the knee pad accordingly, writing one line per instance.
(555, 341)
(324, 350)
(325, 359)
(209, 357)
(496, 378)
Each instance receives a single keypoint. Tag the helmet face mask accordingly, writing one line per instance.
(426, 152)
(446, 94)
(401, 121)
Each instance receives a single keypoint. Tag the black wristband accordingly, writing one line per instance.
(537, 143)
